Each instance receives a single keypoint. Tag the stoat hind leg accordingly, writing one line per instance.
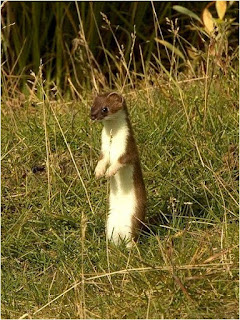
(117, 230)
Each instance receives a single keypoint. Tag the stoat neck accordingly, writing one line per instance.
(118, 121)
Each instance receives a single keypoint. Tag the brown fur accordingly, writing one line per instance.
(131, 156)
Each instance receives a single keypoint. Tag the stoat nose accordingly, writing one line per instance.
(93, 113)
(93, 116)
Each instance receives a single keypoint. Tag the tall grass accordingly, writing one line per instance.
(55, 33)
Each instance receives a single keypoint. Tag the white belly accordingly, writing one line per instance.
(122, 204)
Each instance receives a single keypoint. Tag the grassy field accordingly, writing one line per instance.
(55, 260)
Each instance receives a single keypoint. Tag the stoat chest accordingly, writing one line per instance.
(114, 139)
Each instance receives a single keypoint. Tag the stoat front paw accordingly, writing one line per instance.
(100, 169)
(112, 170)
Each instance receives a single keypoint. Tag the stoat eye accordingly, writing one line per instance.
(105, 110)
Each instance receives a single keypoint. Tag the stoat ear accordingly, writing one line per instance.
(116, 96)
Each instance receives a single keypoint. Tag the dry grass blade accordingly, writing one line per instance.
(24, 316)
(219, 254)
(184, 290)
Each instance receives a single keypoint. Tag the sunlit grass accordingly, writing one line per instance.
(55, 262)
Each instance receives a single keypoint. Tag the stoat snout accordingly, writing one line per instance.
(106, 106)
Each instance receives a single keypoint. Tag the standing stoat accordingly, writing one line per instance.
(119, 160)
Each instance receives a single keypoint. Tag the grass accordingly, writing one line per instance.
(55, 260)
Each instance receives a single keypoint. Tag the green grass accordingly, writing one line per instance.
(186, 266)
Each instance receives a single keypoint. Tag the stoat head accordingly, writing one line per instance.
(107, 106)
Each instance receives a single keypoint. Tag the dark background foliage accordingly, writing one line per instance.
(46, 30)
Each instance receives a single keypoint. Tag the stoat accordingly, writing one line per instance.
(119, 160)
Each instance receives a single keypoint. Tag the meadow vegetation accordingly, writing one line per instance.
(56, 262)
